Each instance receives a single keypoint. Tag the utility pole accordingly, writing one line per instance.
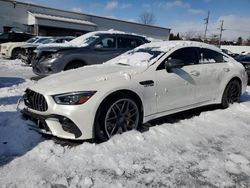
(206, 22)
(221, 29)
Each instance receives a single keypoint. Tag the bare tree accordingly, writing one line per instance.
(192, 35)
(147, 18)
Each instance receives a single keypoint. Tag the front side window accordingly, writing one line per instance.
(126, 42)
(210, 56)
(186, 56)
(108, 42)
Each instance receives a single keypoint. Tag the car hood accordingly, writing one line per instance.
(85, 78)
(32, 45)
(55, 48)
(13, 43)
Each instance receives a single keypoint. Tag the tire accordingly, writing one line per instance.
(117, 115)
(231, 94)
(16, 53)
(74, 65)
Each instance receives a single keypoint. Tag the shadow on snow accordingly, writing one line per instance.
(10, 81)
(16, 138)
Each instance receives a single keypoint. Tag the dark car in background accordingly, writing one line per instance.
(88, 49)
(14, 37)
(233, 55)
(245, 61)
(28, 49)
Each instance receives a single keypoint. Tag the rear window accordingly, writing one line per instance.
(210, 56)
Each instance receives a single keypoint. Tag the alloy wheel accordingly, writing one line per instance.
(122, 116)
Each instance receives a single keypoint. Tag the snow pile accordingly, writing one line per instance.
(237, 49)
(210, 149)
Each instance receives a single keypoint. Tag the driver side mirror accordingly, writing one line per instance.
(173, 64)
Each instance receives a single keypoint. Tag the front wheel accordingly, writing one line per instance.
(231, 94)
(16, 53)
(116, 117)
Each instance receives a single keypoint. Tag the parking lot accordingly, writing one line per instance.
(209, 148)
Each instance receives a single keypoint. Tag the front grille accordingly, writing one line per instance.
(35, 101)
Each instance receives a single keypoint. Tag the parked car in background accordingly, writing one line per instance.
(233, 55)
(153, 80)
(91, 48)
(12, 50)
(28, 49)
(14, 37)
(245, 61)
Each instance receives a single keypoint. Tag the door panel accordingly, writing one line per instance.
(175, 90)
(176, 87)
(213, 68)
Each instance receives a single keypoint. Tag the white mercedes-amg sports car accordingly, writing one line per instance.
(151, 81)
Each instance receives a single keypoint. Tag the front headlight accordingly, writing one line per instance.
(74, 98)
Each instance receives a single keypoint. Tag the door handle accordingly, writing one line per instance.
(226, 69)
(195, 73)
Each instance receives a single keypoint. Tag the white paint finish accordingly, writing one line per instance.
(7, 48)
(180, 86)
(175, 91)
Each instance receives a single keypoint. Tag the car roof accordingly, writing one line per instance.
(119, 34)
(165, 46)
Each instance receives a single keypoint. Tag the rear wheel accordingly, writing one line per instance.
(231, 94)
(74, 65)
(117, 116)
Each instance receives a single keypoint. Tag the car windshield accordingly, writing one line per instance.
(138, 57)
(31, 40)
(83, 40)
(41, 40)
(50, 40)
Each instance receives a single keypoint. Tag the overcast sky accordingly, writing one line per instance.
(184, 16)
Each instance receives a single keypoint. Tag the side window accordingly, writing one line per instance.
(19, 36)
(188, 56)
(210, 56)
(108, 42)
(127, 42)
(4, 36)
(246, 58)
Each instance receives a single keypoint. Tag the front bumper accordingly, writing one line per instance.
(45, 67)
(41, 124)
(64, 121)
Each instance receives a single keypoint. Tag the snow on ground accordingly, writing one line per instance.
(206, 150)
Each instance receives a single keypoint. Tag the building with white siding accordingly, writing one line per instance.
(41, 20)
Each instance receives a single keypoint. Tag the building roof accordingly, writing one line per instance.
(60, 18)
